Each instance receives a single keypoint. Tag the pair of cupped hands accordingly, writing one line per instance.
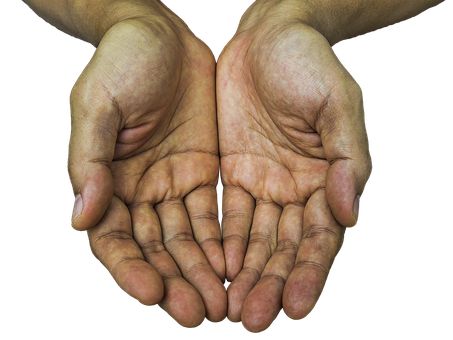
(154, 117)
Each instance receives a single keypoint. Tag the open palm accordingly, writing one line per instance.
(294, 160)
(144, 163)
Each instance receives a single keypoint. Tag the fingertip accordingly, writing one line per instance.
(193, 322)
(149, 297)
(231, 274)
(183, 302)
(140, 281)
(298, 310)
(219, 312)
(253, 327)
(152, 290)
(235, 298)
(263, 304)
(77, 220)
(237, 292)
(212, 292)
(93, 199)
(301, 293)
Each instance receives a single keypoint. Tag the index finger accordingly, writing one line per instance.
(112, 243)
(321, 240)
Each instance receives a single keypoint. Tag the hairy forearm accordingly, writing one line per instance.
(336, 19)
(90, 19)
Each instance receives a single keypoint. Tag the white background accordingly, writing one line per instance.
(393, 278)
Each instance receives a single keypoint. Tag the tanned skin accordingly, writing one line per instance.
(290, 131)
(294, 150)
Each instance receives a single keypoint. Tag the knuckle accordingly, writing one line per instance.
(153, 247)
(124, 260)
(287, 247)
(259, 237)
(326, 120)
(365, 168)
(209, 240)
(348, 89)
(262, 240)
(197, 266)
(184, 236)
(100, 243)
(253, 271)
(71, 172)
(276, 276)
(233, 214)
(75, 94)
(325, 236)
(319, 267)
(206, 216)
(355, 89)
(118, 235)
(237, 237)
(322, 231)
(170, 202)
(96, 107)
(345, 99)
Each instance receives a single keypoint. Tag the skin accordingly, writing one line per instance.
(294, 160)
(144, 164)
(146, 99)
(294, 149)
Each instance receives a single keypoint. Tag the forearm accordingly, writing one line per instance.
(90, 19)
(342, 19)
(336, 19)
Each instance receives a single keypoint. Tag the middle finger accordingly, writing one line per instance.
(179, 241)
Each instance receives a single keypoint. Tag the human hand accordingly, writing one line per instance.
(144, 165)
(294, 162)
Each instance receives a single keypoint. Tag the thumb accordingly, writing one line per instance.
(343, 134)
(95, 124)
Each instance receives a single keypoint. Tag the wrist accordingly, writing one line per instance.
(94, 18)
(316, 14)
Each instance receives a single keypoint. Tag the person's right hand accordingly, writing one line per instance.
(144, 165)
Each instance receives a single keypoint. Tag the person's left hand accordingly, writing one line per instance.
(294, 161)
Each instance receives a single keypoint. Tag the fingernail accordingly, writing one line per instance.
(78, 207)
(356, 206)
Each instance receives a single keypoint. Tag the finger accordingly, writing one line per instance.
(201, 206)
(94, 131)
(262, 242)
(112, 243)
(345, 142)
(238, 207)
(179, 241)
(181, 300)
(264, 301)
(321, 240)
